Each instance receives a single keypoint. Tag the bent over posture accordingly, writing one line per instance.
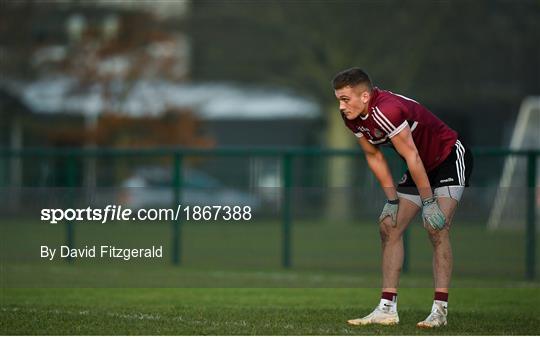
(439, 166)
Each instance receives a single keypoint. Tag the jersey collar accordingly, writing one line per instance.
(374, 93)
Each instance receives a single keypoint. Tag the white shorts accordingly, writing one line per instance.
(454, 192)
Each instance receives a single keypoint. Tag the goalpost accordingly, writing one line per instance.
(526, 135)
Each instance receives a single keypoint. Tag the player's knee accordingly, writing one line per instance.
(388, 234)
(383, 232)
(438, 237)
(435, 239)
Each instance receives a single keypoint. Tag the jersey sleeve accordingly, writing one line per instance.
(390, 118)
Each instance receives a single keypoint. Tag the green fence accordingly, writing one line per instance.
(287, 157)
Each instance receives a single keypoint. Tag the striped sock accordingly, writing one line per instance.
(389, 296)
(388, 302)
(440, 299)
(440, 296)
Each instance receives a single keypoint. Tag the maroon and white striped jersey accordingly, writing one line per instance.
(389, 113)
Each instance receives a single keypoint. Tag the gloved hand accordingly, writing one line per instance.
(432, 214)
(390, 209)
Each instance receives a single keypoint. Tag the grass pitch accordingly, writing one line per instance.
(231, 283)
(257, 311)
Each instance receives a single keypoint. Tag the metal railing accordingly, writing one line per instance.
(287, 157)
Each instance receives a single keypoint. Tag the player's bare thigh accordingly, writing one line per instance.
(448, 207)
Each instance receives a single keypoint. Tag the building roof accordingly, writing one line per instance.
(209, 101)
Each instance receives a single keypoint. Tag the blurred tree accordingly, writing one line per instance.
(87, 40)
(471, 62)
(177, 127)
(457, 57)
(104, 49)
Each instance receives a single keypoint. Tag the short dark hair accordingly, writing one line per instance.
(351, 77)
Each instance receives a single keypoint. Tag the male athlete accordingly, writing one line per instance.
(439, 167)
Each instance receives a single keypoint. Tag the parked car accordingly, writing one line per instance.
(153, 187)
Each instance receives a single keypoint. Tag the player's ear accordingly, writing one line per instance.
(365, 97)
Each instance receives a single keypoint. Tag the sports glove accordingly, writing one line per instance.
(390, 209)
(432, 214)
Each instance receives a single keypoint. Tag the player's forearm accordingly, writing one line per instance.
(378, 165)
(419, 175)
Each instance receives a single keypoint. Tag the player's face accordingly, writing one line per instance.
(353, 101)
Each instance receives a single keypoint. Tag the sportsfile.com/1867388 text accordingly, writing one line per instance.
(119, 213)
